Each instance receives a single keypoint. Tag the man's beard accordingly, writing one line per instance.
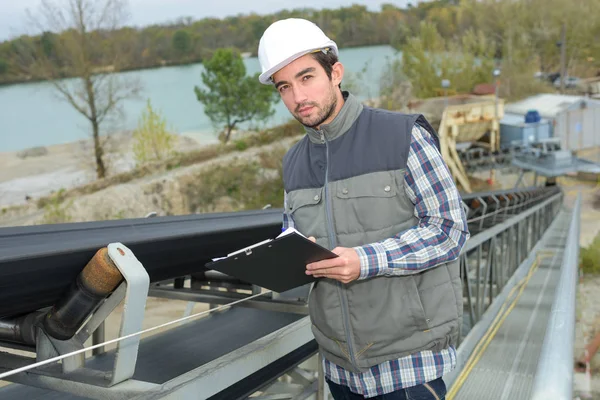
(323, 113)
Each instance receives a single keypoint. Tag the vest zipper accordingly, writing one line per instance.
(333, 244)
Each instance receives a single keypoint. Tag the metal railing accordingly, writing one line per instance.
(491, 257)
(554, 376)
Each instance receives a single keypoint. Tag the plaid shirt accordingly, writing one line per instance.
(439, 237)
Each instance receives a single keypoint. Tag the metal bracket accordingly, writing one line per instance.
(134, 290)
(138, 283)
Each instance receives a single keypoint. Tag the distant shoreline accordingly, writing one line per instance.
(162, 64)
(203, 138)
(20, 81)
(67, 165)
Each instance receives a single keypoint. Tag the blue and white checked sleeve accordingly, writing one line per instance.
(442, 229)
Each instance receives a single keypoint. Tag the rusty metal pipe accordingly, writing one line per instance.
(97, 280)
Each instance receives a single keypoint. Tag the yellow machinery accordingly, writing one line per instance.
(465, 119)
(469, 123)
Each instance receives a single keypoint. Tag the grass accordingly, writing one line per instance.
(240, 185)
(289, 129)
(590, 257)
(56, 211)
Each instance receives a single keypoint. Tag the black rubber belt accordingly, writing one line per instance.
(178, 351)
(265, 376)
(37, 263)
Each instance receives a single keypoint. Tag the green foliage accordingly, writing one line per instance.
(241, 145)
(590, 257)
(355, 82)
(3, 66)
(189, 40)
(532, 25)
(47, 43)
(240, 185)
(151, 139)
(526, 36)
(229, 96)
(55, 209)
(118, 215)
(289, 129)
(429, 58)
(182, 41)
(394, 89)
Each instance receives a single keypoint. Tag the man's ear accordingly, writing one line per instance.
(337, 73)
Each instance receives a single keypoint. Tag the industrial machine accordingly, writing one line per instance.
(61, 282)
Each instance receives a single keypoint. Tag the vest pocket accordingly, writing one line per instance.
(369, 202)
(439, 304)
(303, 197)
(378, 184)
(306, 208)
(385, 310)
(422, 322)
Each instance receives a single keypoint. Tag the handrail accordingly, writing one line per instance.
(554, 376)
(489, 233)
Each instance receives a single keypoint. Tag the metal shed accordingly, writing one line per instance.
(575, 119)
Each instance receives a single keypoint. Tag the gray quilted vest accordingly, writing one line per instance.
(345, 186)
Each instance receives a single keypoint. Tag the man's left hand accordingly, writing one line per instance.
(344, 268)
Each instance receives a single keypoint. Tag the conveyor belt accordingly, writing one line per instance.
(37, 263)
(39, 259)
(506, 366)
(172, 353)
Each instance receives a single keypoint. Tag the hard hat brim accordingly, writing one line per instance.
(265, 77)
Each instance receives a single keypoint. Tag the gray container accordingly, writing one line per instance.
(575, 120)
(514, 130)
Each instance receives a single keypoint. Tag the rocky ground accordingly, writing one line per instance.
(587, 385)
(32, 173)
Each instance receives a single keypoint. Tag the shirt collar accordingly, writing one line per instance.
(340, 124)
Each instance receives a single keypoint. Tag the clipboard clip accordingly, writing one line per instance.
(248, 251)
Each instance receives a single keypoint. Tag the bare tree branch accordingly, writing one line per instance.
(79, 31)
(61, 87)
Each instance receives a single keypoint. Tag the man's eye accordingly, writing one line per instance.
(283, 88)
(306, 77)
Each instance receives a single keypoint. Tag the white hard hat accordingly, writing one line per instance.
(287, 40)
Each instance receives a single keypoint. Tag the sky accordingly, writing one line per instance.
(145, 12)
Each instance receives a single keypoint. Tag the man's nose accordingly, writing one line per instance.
(299, 95)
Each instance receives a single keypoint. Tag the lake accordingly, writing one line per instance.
(32, 114)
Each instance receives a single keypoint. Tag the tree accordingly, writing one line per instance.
(395, 90)
(231, 97)
(429, 58)
(47, 43)
(84, 50)
(182, 42)
(151, 139)
(526, 34)
(3, 66)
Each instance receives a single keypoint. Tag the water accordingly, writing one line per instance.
(32, 114)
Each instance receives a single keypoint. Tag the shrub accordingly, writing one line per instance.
(151, 139)
(590, 257)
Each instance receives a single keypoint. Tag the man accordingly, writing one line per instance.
(370, 185)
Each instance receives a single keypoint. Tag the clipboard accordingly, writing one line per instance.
(278, 264)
